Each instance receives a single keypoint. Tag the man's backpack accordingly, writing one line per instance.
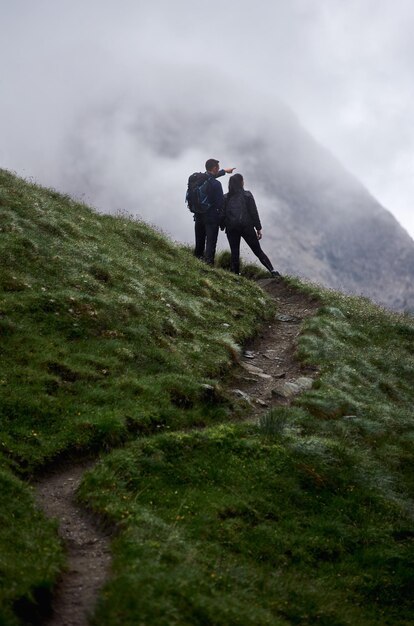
(197, 192)
(236, 211)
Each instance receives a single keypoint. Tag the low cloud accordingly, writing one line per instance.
(119, 102)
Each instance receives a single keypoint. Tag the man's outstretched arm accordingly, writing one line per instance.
(227, 170)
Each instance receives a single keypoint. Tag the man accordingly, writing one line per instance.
(207, 224)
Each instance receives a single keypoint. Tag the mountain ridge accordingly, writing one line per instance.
(328, 228)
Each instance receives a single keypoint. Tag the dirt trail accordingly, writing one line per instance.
(87, 546)
(268, 376)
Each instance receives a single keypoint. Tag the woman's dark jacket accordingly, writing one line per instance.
(250, 215)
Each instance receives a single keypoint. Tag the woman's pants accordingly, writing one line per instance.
(249, 235)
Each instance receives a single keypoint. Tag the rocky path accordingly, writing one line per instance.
(87, 547)
(268, 376)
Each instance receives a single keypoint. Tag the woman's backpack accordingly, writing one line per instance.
(236, 214)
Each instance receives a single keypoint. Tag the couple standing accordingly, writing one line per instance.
(236, 212)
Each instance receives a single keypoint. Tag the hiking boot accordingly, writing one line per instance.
(275, 273)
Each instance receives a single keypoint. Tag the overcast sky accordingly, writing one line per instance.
(345, 67)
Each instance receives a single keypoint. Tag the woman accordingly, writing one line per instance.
(241, 219)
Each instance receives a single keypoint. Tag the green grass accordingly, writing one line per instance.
(112, 335)
(231, 526)
(248, 270)
(106, 327)
(306, 518)
(30, 553)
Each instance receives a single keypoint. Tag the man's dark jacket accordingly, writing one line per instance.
(215, 198)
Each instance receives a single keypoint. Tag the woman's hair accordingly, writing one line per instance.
(235, 184)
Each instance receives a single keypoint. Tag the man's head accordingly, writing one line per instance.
(212, 166)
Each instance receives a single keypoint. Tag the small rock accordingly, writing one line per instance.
(293, 388)
(261, 402)
(304, 382)
(272, 355)
(256, 371)
(249, 354)
(248, 379)
(241, 394)
(287, 390)
(252, 369)
(280, 375)
(280, 317)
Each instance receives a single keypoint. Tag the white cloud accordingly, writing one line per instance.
(345, 67)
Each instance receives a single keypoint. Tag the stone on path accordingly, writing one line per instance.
(249, 354)
(252, 369)
(292, 319)
(242, 394)
(256, 371)
(272, 355)
(290, 389)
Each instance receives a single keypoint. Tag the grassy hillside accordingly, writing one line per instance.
(107, 330)
(306, 518)
(110, 335)
(103, 324)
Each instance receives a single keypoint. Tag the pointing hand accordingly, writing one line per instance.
(229, 170)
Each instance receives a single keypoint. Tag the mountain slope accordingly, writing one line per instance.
(106, 330)
(319, 221)
(305, 517)
(89, 302)
(323, 224)
(113, 337)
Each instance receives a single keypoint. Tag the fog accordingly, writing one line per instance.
(118, 102)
